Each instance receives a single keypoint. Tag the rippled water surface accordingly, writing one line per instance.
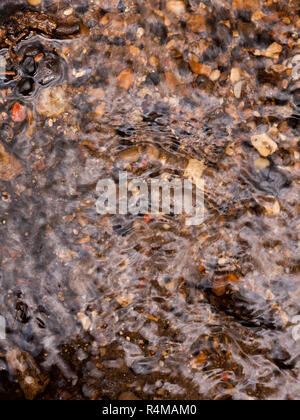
(147, 307)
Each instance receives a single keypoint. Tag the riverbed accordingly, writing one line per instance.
(149, 306)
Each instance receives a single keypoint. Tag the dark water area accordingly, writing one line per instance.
(145, 306)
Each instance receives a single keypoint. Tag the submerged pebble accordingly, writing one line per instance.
(52, 102)
(264, 144)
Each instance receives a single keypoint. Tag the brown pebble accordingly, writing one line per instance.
(128, 396)
(67, 30)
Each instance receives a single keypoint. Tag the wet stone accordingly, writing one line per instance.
(67, 30)
(52, 101)
(264, 144)
(29, 376)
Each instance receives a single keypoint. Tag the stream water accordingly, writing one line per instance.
(145, 306)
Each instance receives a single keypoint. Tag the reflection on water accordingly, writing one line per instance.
(98, 306)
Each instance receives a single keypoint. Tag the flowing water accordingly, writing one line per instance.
(116, 306)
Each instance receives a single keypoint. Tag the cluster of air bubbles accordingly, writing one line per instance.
(35, 67)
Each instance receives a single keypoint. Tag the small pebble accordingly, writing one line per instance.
(235, 75)
(34, 2)
(18, 113)
(215, 75)
(176, 6)
(69, 11)
(238, 89)
(264, 144)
